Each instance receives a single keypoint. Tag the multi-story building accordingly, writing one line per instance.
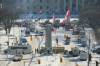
(74, 6)
(25, 6)
(90, 15)
(44, 6)
(49, 6)
(89, 4)
(8, 4)
(22, 5)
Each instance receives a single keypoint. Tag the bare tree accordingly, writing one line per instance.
(7, 18)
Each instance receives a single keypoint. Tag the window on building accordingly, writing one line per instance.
(41, 7)
(47, 7)
(47, 1)
(40, 1)
(28, 7)
(66, 0)
(55, 1)
(28, 1)
(20, 1)
(56, 7)
(97, 2)
(34, 7)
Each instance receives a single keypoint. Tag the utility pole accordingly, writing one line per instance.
(8, 38)
(89, 55)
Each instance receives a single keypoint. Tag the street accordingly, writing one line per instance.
(54, 59)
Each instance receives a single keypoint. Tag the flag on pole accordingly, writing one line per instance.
(54, 18)
(67, 17)
(67, 14)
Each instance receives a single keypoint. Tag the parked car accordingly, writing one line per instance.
(17, 58)
(96, 50)
(83, 56)
(83, 43)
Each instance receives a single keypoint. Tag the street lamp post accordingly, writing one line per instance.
(89, 55)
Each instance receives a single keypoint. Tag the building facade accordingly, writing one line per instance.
(49, 6)
(74, 6)
(90, 14)
(24, 6)
(8, 4)
(44, 6)
(89, 3)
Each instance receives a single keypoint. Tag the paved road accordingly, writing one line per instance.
(46, 60)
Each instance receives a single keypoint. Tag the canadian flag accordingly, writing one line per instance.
(67, 14)
(67, 17)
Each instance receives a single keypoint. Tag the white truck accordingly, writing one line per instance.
(74, 51)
